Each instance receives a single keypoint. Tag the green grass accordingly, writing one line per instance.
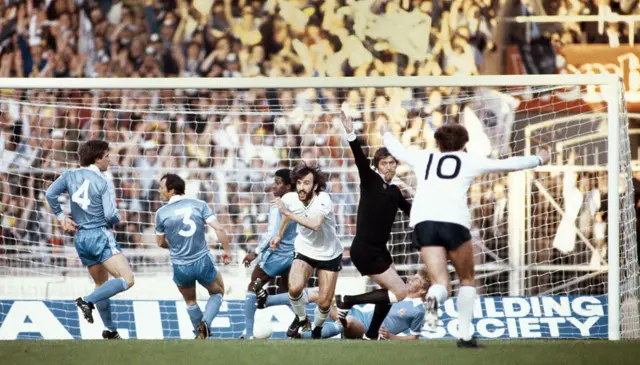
(330, 352)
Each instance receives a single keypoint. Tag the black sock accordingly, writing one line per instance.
(380, 296)
(379, 314)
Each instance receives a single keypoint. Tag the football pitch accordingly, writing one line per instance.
(330, 352)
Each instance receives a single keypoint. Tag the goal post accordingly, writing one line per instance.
(519, 261)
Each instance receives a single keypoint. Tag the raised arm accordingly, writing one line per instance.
(366, 174)
(109, 204)
(395, 147)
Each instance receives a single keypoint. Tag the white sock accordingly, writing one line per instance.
(319, 316)
(298, 305)
(392, 297)
(466, 299)
(438, 291)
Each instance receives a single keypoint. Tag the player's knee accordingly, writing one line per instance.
(130, 281)
(295, 290)
(323, 303)
(250, 287)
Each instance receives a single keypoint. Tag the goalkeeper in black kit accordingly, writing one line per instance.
(379, 203)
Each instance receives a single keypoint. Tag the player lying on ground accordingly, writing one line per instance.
(93, 211)
(273, 262)
(316, 245)
(379, 203)
(404, 315)
(180, 227)
(440, 215)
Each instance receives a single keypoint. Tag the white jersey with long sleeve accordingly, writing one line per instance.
(444, 178)
(323, 244)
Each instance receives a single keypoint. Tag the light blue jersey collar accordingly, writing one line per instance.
(176, 198)
(94, 168)
(416, 301)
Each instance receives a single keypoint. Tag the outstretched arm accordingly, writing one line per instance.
(395, 147)
(513, 164)
(365, 172)
(223, 237)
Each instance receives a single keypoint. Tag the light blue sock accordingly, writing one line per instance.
(212, 308)
(283, 299)
(107, 290)
(329, 329)
(195, 314)
(250, 313)
(104, 309)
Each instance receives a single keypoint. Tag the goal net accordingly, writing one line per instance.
(554, 257)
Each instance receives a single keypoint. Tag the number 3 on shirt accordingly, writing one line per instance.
(441, 161)
(81, 196)
(186, 219)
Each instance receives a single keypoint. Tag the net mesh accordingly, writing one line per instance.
(534, 233)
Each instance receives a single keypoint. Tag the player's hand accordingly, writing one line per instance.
(383, 333)
(68, 225)
(275, 242)
(384, 128)
(277, 202)
(249, 258)
(347, 122)
(545, 156)
(226, 257)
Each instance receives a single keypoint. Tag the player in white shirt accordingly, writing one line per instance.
(440, 216)
(316, 246)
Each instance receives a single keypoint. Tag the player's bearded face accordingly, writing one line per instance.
(305, 188)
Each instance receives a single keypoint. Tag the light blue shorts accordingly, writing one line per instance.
(202, 270)
(274, 264)
(361, 316)
(95, 246)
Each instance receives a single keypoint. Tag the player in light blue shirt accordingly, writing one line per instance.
(180, 227)
(273, 261)
(93, 211)
(406, 315)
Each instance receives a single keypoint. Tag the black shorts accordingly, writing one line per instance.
(443, 234)
(370, 259)
(334, 265)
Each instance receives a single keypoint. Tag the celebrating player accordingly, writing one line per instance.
(93, 210)
(273, 262)
(180, 227)
(379, 203)
(441, 218)
(316, 245)
(407, 314)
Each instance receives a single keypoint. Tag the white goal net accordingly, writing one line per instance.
(542, 238)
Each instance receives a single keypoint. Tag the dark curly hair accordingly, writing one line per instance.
(303, 169)
(91, 151)
(451, 137)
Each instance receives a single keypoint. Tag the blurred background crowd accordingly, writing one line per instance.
(227, 143)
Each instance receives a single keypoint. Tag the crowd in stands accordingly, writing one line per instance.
(227, 143)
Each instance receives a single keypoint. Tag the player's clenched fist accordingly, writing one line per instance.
(275, 242)
(226, 257)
